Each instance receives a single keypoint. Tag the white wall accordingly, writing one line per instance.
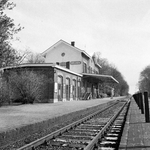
(71, 54)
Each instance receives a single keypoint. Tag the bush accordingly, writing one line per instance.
(27, 86)
(4, 92)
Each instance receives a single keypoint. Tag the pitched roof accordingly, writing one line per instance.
(62, 41)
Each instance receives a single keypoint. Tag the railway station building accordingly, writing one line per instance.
(78, 61)
(75, 75)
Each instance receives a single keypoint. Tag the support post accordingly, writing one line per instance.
(146, 106)
(135, 98)
(141, 101)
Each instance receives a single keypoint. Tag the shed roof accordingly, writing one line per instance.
(42, 65)
(105, 78)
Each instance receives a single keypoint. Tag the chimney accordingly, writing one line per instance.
(72, 43)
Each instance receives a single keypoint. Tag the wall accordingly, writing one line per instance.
(64, 75)
(71, 54)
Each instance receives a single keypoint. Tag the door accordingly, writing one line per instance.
(79, 90)
(74, 90)
(67, 89)
(60, 88)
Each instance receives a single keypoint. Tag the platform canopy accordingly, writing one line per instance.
(103, 78)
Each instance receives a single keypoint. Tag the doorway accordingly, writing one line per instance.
(60, 88)
(67, 89)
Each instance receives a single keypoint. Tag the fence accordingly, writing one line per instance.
(143, 103)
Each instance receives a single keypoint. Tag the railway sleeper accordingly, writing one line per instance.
(78, 133)
(86, 130)
(71, 144)
(67, 138)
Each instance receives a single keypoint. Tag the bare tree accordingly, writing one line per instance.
(26, 86)
(34, 58)
(144, 81)
(28, 56)
(4, 92)
(110, 69)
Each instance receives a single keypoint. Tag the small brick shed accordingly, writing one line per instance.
(64, 84)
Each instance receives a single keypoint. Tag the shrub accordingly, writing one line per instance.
(27, 86)
(4, 92)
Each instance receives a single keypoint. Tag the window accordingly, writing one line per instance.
(74, 89)
(79, 90)
(89, 69)
(84, 68)
(60, 88)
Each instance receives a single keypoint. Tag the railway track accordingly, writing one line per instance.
(100, 130)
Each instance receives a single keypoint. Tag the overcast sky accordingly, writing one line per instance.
(119, 29)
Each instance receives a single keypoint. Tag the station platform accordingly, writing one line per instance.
(12, 117)
(136, 134)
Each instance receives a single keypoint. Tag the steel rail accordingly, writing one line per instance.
(95, 140)
(34, 144)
